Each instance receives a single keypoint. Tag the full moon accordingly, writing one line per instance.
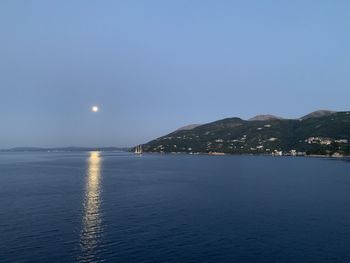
(94, 109)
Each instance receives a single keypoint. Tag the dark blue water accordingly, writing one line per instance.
(115, 207)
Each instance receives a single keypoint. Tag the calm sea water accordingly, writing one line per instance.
(115, 207)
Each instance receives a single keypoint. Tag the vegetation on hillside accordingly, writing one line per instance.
(325, 135)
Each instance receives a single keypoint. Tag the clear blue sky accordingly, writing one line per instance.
(153, 66)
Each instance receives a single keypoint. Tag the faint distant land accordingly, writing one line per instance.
(64, 149)
(318, 133)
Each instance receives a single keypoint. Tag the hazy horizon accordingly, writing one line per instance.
(129, 146)
(155, 66)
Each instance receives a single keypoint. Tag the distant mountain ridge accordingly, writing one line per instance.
(265, 117)
(318, 113)
(189, 127)
(320, 132)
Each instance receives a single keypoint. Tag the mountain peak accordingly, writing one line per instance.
(317, 114)
(265, 117)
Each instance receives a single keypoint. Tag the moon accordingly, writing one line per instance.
(94, 109)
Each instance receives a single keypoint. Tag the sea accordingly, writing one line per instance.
(118, 207)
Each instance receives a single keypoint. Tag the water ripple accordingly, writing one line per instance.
(92, 229)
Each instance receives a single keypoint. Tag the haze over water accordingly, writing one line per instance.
(115, 207)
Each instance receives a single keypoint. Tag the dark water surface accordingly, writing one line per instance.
(115, 207)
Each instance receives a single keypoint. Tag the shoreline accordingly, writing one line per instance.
(183, 153)
(251, 154)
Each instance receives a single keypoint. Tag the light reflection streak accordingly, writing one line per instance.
(91, 233)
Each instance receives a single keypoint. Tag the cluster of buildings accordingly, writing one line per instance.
(324, 141)
(241, 145)
(290, 153)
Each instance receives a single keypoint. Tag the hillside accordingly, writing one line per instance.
(317, 114)
(265, 117)
(324, 134)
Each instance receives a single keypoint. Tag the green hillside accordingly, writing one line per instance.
(326, 135)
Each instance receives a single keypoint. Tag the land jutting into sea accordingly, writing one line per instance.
(320, 133)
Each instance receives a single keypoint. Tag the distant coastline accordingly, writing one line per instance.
(251, 154)
(130, 150)
(65, 149)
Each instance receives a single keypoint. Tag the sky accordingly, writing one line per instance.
(154, 66)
